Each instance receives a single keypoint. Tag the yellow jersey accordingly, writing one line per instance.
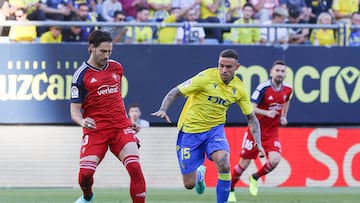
(346, 6)
(47, 37)
(167, 35)
(208, 99)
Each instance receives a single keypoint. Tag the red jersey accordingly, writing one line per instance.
(99, 91)
(267, 97)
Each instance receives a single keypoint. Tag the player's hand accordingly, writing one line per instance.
(136, 127)
(261, 150)
(283, 121)
(88, 123)
(163, 115)
(271, 113)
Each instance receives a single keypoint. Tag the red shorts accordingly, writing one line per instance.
(270, 142)
(97, 142)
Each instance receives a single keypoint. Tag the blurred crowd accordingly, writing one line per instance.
(189, 13)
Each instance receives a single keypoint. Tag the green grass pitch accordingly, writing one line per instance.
(266, 195)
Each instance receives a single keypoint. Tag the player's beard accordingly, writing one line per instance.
(279, 80)
(102, 62)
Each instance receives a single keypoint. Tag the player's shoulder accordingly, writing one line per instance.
(80, 71)
(264, 85)
(114, 64)
(287, 85)
(208, 72)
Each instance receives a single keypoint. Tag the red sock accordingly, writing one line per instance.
(137, 181)
(267, 168)
(235, 176)
(85, 177)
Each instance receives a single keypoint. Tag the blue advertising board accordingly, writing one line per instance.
(35, 79)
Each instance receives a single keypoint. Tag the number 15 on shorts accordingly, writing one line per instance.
(185, 153)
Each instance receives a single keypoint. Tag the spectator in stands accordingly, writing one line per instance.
(22, 33)
(208, 14)
(185, 4)
(318, 6)
(189, 33)
(323, 36)
(264, 9)
(108, 9)
(268, 36)
(301, 6)
(143, 34)
(34, 12)
(73, 33)
(297, 35)
(56, 9)
(167, 35)
(118, 33)
(130, 7)
(4, 15)
(354, 38)
(249, 35)
(52, 36)
(74, 5)
(159, 9)
(343, 9)
(83, 13)
(135, 116)
(234, 11)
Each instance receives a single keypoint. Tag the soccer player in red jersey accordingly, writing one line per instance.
(271, 104)
(98, 107)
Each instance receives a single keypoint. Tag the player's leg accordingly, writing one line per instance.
(248, 152)
(272, 147)
(273, 160)
(235, 176)
(218, 149)
(125, 147)
(190, 153)
(87, 169)
(92, 151)
(221, 159)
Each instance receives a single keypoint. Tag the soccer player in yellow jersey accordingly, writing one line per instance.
(201, 124)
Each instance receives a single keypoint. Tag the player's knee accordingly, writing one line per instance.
(223, 167)
(189, 185)
(189, 181)
(132, 165)
(85, 176)
(87, 170)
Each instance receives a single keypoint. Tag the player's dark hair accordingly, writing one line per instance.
(279, 62)
(230, 53)
(98, 36)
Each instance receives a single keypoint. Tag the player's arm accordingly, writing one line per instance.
(77, 116)
(166, 102)
(264, 112)
(285, 109)
(254, 126)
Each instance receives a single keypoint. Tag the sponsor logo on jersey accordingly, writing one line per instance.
(108, 89)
